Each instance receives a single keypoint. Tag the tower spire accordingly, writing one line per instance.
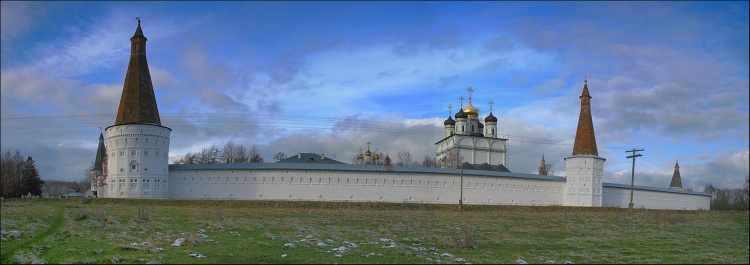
(585, 143)
(676, 179)
(138, 102)
(543, 167)
(100, 154)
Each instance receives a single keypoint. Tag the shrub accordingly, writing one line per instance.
(464, 236)
(144, 214)
(82, 215)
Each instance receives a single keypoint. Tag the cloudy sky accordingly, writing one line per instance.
(327, 77)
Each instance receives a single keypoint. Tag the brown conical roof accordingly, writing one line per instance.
(676, 179)
(543, 167)
(138, 103)
(585, 143)
(100, 154)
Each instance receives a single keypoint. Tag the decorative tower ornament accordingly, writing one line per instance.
(491, 121)
(461, 118)
(450, 124)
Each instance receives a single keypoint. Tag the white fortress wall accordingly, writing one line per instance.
(618, 195)
(318, 184)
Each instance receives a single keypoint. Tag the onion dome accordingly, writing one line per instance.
(368, 153)
(471, 111)
(449, 121)
(360, 157)
(490, 118)
(461, 114)
(377, 157)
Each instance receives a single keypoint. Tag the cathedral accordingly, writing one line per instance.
(133, 162)
(468, 139)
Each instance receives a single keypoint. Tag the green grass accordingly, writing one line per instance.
(113, 230)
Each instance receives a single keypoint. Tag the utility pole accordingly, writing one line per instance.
(632, 178)
(460, 200)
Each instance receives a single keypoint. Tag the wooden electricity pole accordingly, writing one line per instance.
(632, 178)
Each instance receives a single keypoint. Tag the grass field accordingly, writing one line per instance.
(93, 231)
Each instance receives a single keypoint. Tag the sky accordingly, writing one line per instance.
(327, 77)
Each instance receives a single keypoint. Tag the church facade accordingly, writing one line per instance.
(134, 164)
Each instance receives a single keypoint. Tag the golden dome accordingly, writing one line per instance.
(368, 153)
(471, 110)
(360, 157)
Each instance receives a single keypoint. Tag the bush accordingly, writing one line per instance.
(144, 214)
(464, 236)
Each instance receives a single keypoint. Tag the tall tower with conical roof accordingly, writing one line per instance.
(583, 185)
(676, 183)
(543, 167)
(138, 144)
(97, 171)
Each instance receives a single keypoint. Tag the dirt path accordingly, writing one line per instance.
(54, 225)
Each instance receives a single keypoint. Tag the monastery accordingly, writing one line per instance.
(134, 164)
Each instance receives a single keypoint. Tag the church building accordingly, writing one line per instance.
(468, 139)
(134, 163)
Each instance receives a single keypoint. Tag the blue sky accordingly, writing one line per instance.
(327, 77)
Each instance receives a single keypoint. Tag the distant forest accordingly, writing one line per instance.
(20, 177)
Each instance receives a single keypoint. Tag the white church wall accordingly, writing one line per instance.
(650, 199)
(383, 186)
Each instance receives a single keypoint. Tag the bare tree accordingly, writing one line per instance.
(209, 155)
(12, 174)
(232, 153)
(549, 171)
(189, 158)
(279, 156)
(255, 156)
(450, 160)
(404, 159)
(206, 156)
(429, 161)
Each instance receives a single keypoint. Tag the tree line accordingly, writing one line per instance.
(727, 199)
(238, 153)
(20, 176)
(231, 153)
